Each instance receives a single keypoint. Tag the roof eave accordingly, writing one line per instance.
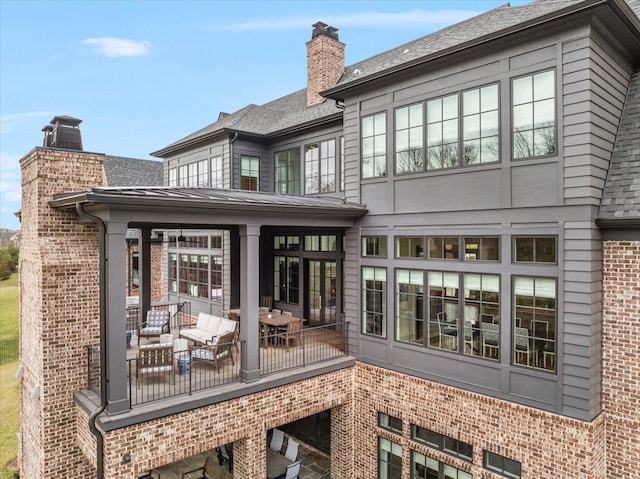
(618, 223)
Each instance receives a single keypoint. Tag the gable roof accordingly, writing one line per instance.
(123, 171)
(621, 196)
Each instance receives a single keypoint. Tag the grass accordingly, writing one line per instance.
(9, 385)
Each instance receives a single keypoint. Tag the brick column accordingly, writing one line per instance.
(59, 310)
(621, 356)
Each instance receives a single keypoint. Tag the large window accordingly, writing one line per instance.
(287, 170)
(286, 270)
(482, 315)
(409, 139)
(534, 326)
(410, 306)
(173, 177)
(461, 129)
(320, 167)
(374, 301)
(534, 115)
(442, 133)
(217, 178)
(444, 309)
(374, 145)
(194, 275)
(250, 173)
(183, 175)
(425, 467)
(535, 249)
(389, 459)
(480, 125)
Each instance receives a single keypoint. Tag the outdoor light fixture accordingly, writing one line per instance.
(35, 392)
(126, 458)
(181, 238)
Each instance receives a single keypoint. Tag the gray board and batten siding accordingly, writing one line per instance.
(554, 195)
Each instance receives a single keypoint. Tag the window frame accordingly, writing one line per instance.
(371, 243)
(380, 298)
(378, 161)
(392, 470)
(287, 171)
(249, 175)
(325, 162)
(513, 106)
(500, 470)
(411, 245)
(534, 249)
(388, 422)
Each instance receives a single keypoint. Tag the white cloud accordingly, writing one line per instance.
(16, 121)
(368, 19)
(119, 47)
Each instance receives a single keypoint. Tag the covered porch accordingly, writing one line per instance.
(254, 221)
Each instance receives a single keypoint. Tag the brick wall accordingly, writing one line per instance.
(621, 357)
(59, 310)
(243, 421)
(547, 445)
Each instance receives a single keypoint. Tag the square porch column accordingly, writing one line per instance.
(249, 290)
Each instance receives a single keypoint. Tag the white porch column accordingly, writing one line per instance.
(249, 290)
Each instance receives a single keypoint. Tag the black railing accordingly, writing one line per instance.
(157, 372)
(180, 311)
(284, 351)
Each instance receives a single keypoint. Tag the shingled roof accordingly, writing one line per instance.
(621, 195)
(123, 171)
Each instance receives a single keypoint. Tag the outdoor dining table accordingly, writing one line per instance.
(276, 464)
(270, 320)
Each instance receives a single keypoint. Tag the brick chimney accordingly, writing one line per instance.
(325, 61)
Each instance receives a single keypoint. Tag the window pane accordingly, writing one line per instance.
(374, 303)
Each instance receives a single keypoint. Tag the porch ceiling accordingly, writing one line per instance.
(208, 206)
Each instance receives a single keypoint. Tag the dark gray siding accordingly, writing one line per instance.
(556, 195)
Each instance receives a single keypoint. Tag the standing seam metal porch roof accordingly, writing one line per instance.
(237, 200)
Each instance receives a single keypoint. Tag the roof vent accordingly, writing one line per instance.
(63, 132)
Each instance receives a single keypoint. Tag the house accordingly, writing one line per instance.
(463, 210)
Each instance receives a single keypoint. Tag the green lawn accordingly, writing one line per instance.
(9, 385)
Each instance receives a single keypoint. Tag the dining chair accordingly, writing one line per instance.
(292, 450)
(523, 345)
(276, 311)
(277, 438)
(490, 339)
(293, 471)
(292, 333)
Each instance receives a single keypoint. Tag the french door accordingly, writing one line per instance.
(320, 297)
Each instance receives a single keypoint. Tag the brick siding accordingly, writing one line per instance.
(621, 357)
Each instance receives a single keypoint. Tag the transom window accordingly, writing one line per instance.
(288, 243)
(250, 173)
(390, 423)
(502, 465)
(534, 115)
(374, 246)
(409, 246)
(535, 249)
(320, 167)
(287, 171)
(374, 301)
(374, 145)
(534, 328)
(320, 243)
(441, 442)
(443, 248)
(481, 248)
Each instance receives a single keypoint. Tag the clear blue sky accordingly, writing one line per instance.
(142, 74)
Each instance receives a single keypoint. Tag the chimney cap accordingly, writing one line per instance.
(65, 120)
(47, 128)
(321, 28)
